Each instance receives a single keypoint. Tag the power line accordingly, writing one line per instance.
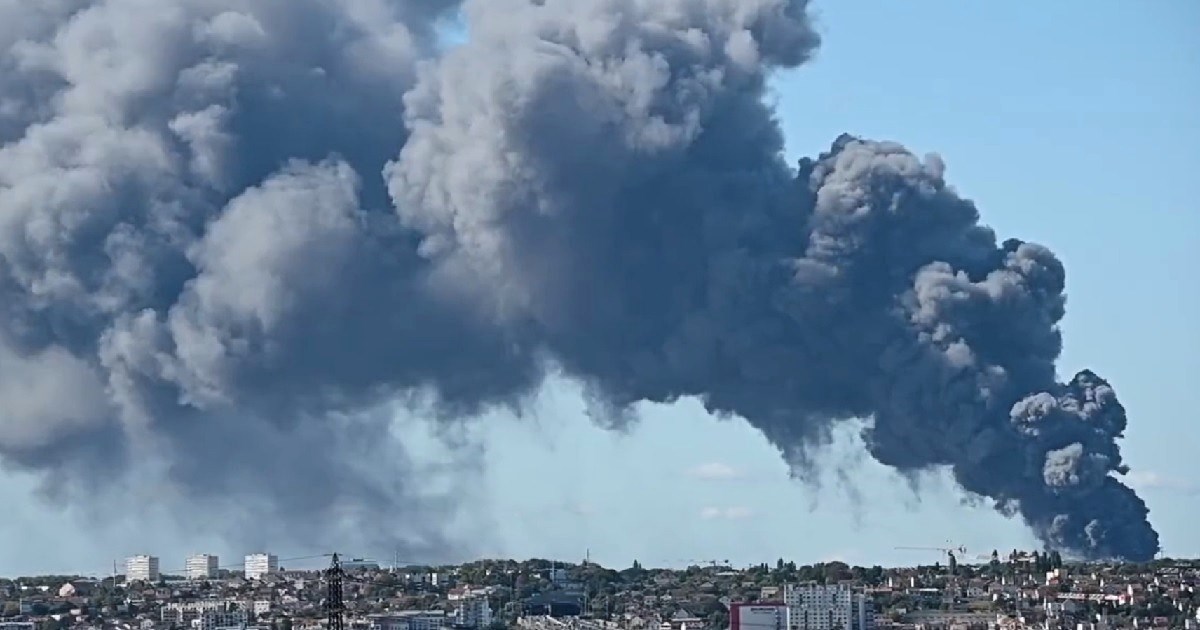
(178, 570)
(173, 571)
(236, 565)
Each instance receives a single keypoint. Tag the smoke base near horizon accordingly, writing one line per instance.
(235, 230)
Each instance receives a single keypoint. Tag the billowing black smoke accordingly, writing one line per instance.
(193, 247)
(199, 263)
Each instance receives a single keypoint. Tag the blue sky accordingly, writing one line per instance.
(1070, 123)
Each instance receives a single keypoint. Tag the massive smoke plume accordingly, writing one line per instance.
(230, 227)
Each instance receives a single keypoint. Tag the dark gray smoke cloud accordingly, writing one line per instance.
(606, 173)
(194, 271)
(196, 259)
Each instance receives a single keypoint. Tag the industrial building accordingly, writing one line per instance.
(758, 616)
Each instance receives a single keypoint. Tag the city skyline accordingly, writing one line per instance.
(1059, 137)
(1014, 591)
(151, 563)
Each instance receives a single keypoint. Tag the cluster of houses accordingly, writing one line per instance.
(540, 595)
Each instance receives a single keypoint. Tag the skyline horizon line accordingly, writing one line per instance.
(676, 565)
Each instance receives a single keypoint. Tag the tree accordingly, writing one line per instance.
(874, 575)
(385, 579)
(835, 571)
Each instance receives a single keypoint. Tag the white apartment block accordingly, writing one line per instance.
(259, 565)
(430, 578)
(473, 612)
(201, 566)
(141, 568)
(827, 607)
(185, 613)
(410, 620)
(206, 614)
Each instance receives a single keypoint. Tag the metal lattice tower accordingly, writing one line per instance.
(333, 601)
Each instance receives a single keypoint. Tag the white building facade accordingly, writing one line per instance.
(201, 566)
(827, 607)
(259, 565)
(141, 568)
(188, 613)
(473, 612)
(206, 614)
(410, 620)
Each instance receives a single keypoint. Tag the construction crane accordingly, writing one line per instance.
(711, 563)
(951, 558)
(952, 593)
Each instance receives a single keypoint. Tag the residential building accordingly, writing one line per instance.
(827, 607)
(554, 604)
(467, 592)
(232, 617)
(183, 614)
(358, 564)
(207, 614)
(386, 622)
(410, 620)
(259, 565)
(558, 577)
(201, 566)
(683, 620)
(473, 612)
(141, 568)
(953, 618)
(421, 577)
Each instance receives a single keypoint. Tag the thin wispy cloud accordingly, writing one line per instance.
(733, 513)
(582, 509)
(1150, 480)
(849, 556)
(714, 471)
